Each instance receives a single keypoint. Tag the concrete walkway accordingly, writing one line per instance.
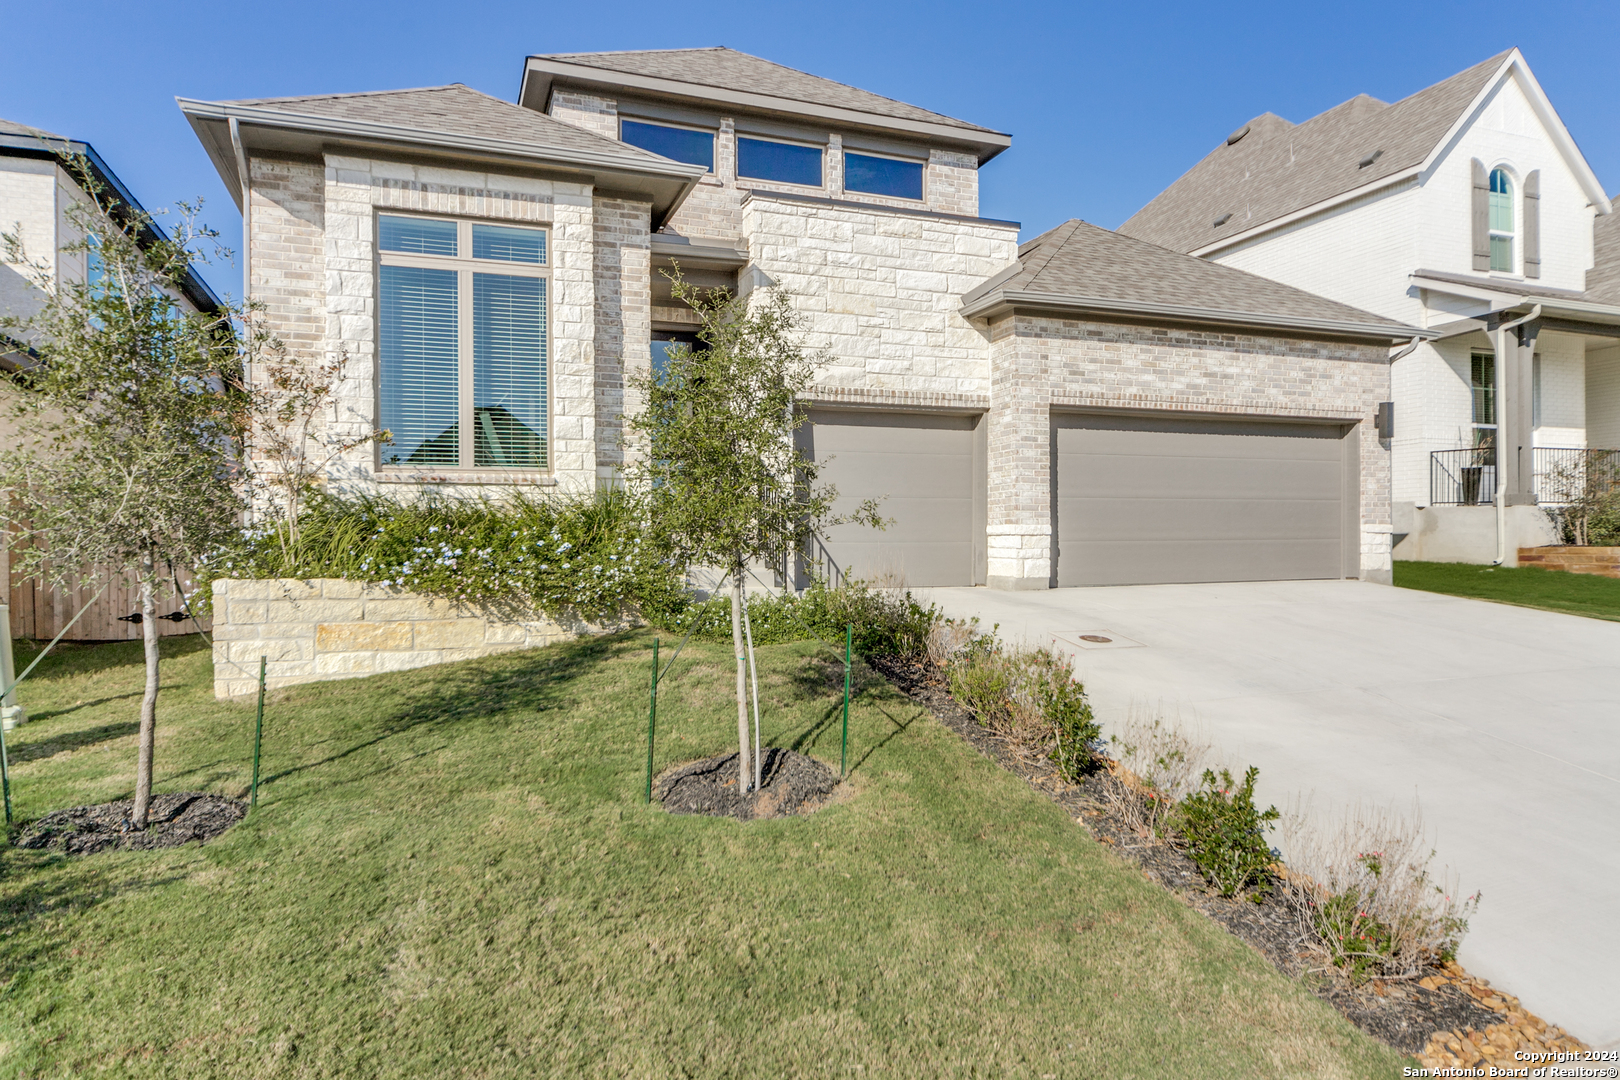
(1503, 721)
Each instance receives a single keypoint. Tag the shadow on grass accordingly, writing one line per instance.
(69, 741)
(90, 658)
(868, 689)
(539, 681)
(51, 900)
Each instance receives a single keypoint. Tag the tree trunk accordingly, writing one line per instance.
(149, 637)
(744, 772)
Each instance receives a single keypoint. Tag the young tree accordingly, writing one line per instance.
(295, 432)
(129, 432)
(725, 483)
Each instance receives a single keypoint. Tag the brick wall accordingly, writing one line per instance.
(1603, 398)
(312, 631)
(1039, 364)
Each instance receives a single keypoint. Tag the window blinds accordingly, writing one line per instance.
(419, 353)
(509, 371)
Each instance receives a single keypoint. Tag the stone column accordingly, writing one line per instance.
(1019, 464)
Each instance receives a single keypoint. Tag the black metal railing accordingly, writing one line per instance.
(1565, 474)
(1462, 477)
(1467, 477)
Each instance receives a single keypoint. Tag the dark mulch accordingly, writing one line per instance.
(1402, 1015)
(172, 820)
(791, 784)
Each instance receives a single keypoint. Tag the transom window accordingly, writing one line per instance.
(462, 343)
(785, 163)
(893, 177)
(1501, 221)
(690, 145)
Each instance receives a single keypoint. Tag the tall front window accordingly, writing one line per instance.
(462, 343)
(1501, 221)
(1482, 380)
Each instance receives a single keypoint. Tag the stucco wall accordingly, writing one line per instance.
(312, 631)
(1045, 363)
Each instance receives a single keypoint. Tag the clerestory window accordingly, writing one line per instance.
(1501, 221)
(462, 343)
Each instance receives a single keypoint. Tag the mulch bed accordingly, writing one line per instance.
(791, 783)
(1403, 1015)
(171, 820)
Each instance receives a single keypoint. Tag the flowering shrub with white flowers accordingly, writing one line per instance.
(569, 556)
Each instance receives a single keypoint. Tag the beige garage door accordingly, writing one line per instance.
(927, 470)
(1146, 500)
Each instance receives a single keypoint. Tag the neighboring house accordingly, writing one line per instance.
(1083, 409)
(1462, 209)
(37, 187)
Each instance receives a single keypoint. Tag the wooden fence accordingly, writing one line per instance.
(40, 613)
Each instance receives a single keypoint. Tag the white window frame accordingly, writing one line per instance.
(1512, 236)
(843, 172)
(818, 147)
(465, 266)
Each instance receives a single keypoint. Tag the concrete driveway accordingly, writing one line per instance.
(1503, 721)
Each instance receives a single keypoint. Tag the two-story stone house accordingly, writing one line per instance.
(1467, 210)
(1085, 408)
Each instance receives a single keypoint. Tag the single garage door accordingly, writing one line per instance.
(1144, 500)
(927, 470)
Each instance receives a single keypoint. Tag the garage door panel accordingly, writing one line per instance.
(924, 471)
(1147, 519)
(1120, 563)
(1142, 500)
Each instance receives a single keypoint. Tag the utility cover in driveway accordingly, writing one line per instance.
(927, 472)
(1146, 500)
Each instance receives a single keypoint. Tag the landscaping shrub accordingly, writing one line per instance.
(1028, 696)
(1156, 766)
(1224, 833)
(1364, 895)
(886, 621)
(582, 556)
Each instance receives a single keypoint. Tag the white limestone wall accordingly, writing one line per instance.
(1505, 131)
(881, 291)
(1360, 253)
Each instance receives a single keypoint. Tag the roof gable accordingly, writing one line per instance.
(1078, 261)
(728, 69)
(1275, 171)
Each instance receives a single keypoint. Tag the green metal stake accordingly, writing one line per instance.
(652, 719)
(5, 776)
(258, 736)
(843, 751)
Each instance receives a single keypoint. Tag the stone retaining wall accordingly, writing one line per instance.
(334, 629)
(1602, 561)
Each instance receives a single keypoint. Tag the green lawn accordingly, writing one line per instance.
(1528, 586)
(452, 873)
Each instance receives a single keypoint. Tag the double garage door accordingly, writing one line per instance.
(1135, 500)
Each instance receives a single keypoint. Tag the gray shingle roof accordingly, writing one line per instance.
(1278, 167)
(728, 69)
(11, 127)
(1078, 260)
(1603, 280)
(452, 110)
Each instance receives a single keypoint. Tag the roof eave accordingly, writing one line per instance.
(540, 75)
(1006, 301)
(617, 169)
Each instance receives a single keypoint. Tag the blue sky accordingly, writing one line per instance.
(1107, 102)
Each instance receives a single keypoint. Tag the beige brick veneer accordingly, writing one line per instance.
(1042, 364)
(333, 629)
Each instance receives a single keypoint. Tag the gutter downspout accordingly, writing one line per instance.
(1407, 349)
(1499, 343)
(247, 204)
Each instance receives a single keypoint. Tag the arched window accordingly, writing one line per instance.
(1501, 221)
